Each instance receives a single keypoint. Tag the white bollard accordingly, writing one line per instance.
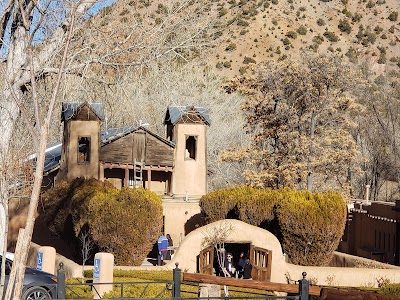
(46, 259)
(102, 273)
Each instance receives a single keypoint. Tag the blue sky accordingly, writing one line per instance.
(99, 5)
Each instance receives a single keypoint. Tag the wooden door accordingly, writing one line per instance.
(207, 260)
(261, 260)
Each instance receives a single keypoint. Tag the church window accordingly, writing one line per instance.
(190, 151)
(83, 149)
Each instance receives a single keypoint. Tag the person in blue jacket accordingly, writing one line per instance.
(162, 244)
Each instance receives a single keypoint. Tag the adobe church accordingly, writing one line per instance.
(175, 167)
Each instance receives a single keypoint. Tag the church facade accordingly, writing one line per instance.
(174, 166)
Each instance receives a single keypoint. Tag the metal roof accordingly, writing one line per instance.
(69, 109)
(175, 113)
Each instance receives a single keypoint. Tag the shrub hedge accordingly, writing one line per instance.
(309, 226)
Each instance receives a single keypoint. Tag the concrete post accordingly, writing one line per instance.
(367, 193)
(46, 259)
(102, 273)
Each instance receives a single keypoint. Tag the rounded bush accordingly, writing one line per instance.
(124, 222)
(309, 226)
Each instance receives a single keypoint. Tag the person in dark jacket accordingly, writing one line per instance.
(170, 245)
(247, 269)
(241, 264)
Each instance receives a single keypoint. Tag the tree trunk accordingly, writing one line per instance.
(3, 233)
(311, 152)
(8, 114)
(32, 213)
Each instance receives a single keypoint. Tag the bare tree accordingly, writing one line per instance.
(38, 123)
(87, 246)
(145, 93)
(39, 48)
(379, 138)
(216, 235)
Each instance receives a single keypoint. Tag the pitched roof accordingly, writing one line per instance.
(53, 152)
(175, 113)
(69, 109)
(113, 134)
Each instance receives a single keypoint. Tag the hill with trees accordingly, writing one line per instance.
(227, 40)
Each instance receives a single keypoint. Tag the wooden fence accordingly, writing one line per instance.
(323, 293)
(254, 284)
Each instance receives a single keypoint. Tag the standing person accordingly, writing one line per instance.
(170, 245)
(229, 270)
(162, 244)
(241, 264)
(247, 269)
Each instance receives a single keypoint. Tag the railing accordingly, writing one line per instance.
(178, 289)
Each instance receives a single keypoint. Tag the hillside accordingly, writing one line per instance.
(283, 29)
(250, 31)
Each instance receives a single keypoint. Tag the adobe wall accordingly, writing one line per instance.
(18, 212)
(372, 232)
(241, 233)
(190, 175)
(281, 271)
(180, 217)
(351, 261)
(346, 277)
(83, 129)
(72, 269)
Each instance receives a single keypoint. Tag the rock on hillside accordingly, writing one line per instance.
(240, 32)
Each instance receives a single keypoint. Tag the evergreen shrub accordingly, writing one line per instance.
(124, 222)
(311, 225)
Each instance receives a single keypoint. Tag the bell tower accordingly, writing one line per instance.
(81, 140)
(187, 126)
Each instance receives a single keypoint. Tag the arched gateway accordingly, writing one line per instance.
(195, 254)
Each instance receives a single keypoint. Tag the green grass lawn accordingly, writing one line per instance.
(158, 284)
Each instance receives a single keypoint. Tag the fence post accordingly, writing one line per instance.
(176, 290)
(61, 282)
(304, 286)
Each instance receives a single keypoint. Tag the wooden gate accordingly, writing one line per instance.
(261, 260)
(207, 260)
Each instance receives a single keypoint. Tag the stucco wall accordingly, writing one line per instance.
(18, 212)
(241, 233)
(350, 277)
(177, 213)
(71, 268)
(83, 129)
(281, 271)
(190, 175)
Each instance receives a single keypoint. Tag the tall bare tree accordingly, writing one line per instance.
(44, 39)
(379, 137)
